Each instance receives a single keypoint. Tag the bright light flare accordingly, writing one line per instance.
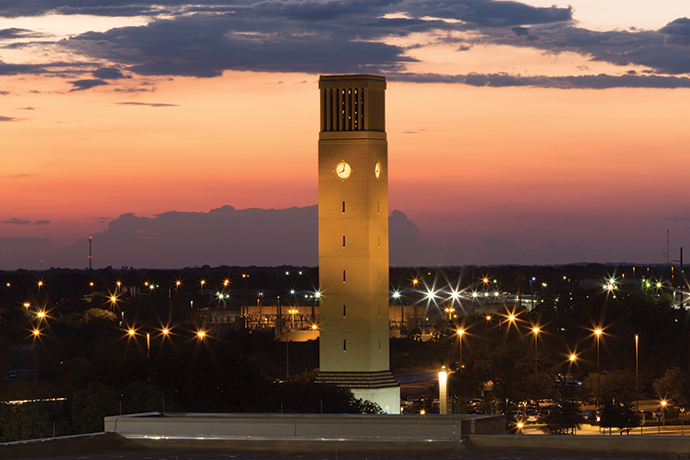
(455, 295)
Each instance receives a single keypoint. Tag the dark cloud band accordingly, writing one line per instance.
(207, 38)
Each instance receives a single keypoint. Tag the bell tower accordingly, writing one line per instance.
(353, 239)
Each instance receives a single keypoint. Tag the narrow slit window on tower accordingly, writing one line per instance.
(344, 345)
(378, 207)
(343, 240)
(379, 241)
(343, 207)
(379, 344)
(379, 274)
(344, 311)
(379, 310)
(344, 276)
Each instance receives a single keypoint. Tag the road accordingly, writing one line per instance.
(653, 429)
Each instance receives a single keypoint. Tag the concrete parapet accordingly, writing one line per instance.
(288, 432)
(612, 444)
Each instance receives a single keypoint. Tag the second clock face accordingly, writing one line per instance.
(377, 169)
(343, 170)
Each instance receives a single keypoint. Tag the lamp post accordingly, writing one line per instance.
(287, 354)
(637, 375)
(396, 297)
(36, 334)
(535, 331)
(531, 285)
(598, 332)
(415, 282)
(461, 332)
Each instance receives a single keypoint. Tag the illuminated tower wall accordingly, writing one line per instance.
(353, 239)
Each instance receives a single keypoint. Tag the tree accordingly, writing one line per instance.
(91, 405)
(562, 419)
(99, 315)
(619, 415)
(616, 386)
(674, 385)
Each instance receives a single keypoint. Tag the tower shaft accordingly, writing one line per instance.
(353, 238)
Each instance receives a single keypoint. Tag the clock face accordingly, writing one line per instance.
(377, 169)
(343, 170)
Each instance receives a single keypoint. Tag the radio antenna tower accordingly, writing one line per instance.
(90, 256)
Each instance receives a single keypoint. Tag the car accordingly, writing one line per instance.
(532, 417)
(585, 414)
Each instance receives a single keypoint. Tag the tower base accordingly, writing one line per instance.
(387, 398)
(379, 387)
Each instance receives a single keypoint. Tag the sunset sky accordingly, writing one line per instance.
(519, 132)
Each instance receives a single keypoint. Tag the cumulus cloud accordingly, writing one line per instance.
(677, 32)
(222, 236)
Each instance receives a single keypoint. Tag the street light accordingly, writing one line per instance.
(637, 374)
(415, 282)
(535, 331)
(396, 297)
(36, 335)
(598, 333)
(461, 332)
(293, 312)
